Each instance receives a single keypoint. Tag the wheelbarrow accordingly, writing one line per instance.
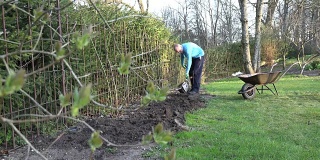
(252, 81)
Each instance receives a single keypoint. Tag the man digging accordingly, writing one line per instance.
(195, 60)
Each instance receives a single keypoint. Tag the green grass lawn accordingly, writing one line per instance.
(268, 127)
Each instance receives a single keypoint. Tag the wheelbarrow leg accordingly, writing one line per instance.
(271, 89)
(275, 88)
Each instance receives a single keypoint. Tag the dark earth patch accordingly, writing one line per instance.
(125, 130)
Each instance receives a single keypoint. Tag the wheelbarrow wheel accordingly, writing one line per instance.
(248, 91)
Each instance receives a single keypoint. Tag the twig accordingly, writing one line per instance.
(6, 2)
(55, 140)
(100, 15)
(143, 53)
(41, 69)
(33, 100)
(10, 122)
(28, 152)
(27, 51)
(139, 76)
(10, 41)
(6, 64)
(40, 34)
(181, 125)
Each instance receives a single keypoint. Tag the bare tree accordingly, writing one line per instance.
(213, 20)
(199, 22)
(299, 24)
(257, 46)
(270, 13)
(229, 25)
(185, 18)
(142, 7)
(245, 37)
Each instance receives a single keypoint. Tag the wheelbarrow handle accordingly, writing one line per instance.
(273, 66)
(288, 69)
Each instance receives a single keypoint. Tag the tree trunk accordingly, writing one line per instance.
(210, 12)
(257, 46)
(230, 22)
(147, 6)
(216, 23)
(284, 29)
(185, 20)
(303, 30)
(245, 37)
(141, 6)
(271, 8)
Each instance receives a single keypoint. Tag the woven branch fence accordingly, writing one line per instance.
(152, 60)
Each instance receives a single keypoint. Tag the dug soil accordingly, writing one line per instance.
(125, 130)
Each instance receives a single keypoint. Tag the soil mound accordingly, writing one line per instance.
(127, 129)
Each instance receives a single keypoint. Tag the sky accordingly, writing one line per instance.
(155, 6)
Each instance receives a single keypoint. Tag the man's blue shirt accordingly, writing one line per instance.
(190, 50)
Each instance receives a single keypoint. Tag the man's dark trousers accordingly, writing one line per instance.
(195, 73)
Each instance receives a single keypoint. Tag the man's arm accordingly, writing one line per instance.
(182, 59)
(189, 58)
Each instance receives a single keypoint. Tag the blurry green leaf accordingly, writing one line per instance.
(65, 100)
(161, 136)
(86, 40)
(164, 91)
(125, 62)
(75, 96)
(46, 17)
(122, 60)
(167, 137)
(158, 129)
(123, 70)
(74, 111)
(9, 78)
(160, 139)
(18, 80)
(153, 94)
(60, 52)
(84, 95)
(127, 59)
(172, 155)
(83, 41)
(37, 13)
(1, 88)
(150, 87)
(144, 101)
(14, 6)
(147, 139)
(161, 98)
(57, 46)
(75, 106)
(80, 99)
(95, 141)
(14, 82)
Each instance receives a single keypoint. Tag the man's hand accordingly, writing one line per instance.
(187, 76)
(184, 66)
